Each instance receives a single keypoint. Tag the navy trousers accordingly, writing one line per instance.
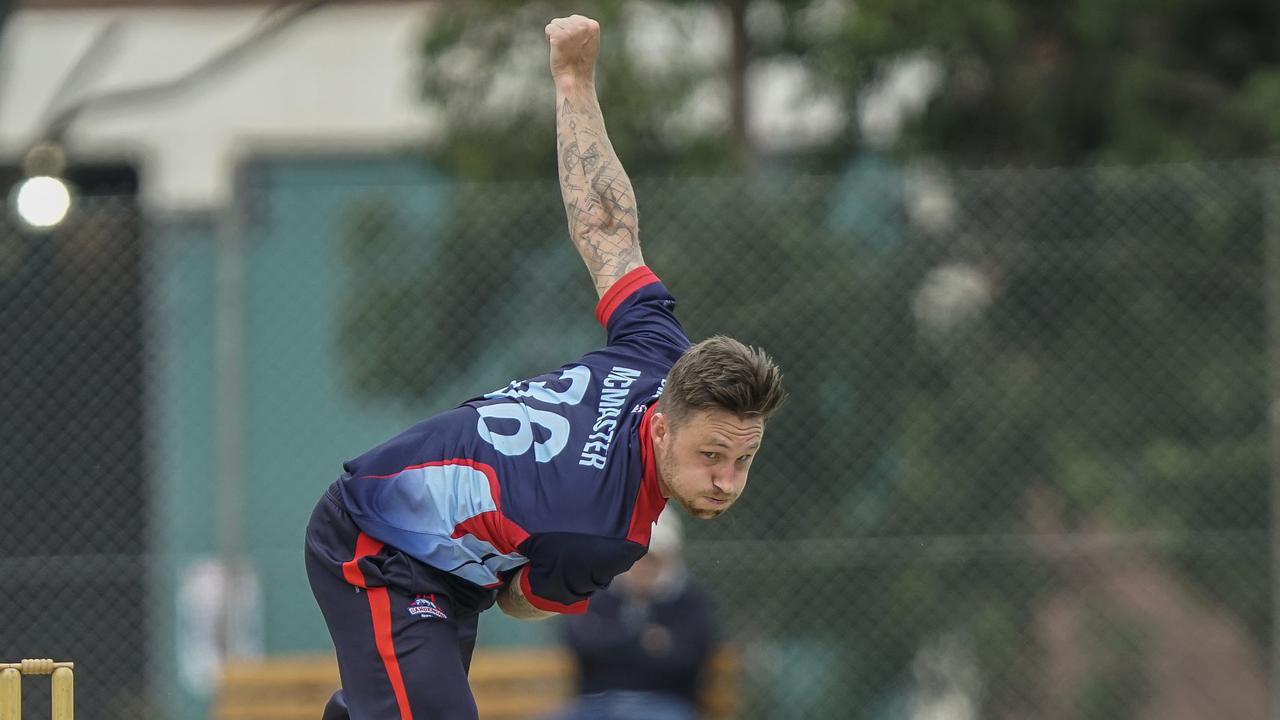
(404, 631)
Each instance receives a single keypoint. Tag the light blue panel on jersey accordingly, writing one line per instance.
(422, 507)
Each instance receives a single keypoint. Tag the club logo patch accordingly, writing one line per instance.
(425, 605)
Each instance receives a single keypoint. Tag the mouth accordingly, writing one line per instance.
(718, 502)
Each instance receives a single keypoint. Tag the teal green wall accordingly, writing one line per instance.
(300, 421)
(183, 527)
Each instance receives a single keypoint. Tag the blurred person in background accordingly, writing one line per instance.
(536, 495)
(643, 646)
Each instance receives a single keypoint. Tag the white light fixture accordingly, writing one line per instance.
(42, 202)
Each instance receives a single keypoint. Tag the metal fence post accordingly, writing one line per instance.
(230, 382)
(1270, 183)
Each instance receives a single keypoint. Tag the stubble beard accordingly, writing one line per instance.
(671, 478)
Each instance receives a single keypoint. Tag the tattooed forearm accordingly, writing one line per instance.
(512, 601)
(598, 197)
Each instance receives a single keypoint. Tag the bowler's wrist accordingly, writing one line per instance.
(568, 82)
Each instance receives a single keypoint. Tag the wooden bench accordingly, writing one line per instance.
(508, 683)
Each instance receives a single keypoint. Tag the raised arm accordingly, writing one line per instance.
(598, 197)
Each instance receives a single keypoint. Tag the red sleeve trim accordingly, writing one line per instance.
(549, 605)
(621, 290)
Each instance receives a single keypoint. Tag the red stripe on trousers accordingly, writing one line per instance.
(365, 545)
(380, 608)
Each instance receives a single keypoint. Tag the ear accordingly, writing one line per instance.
(659, 428)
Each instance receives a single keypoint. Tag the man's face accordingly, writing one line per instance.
(703, 463)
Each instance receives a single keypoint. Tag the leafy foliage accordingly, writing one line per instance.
(486, 69)
(1086, 82)
(1112, 377)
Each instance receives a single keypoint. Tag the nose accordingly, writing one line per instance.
(722, 481)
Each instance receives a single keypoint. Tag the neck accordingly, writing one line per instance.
(662, 482)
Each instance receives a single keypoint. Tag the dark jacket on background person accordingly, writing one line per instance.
(661, 644)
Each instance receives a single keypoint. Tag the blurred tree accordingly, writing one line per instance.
(486, 70)
(1020, 81)
(1071, 83)
(1119, 369)
(1068, 351)
(673, 77)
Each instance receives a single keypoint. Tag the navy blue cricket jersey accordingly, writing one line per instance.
(555, 471)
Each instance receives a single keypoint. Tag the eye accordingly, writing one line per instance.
(710, 455)
(744, 458)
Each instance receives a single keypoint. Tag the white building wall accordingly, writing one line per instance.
(342, 77)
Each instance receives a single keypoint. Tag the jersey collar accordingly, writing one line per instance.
(649, 501)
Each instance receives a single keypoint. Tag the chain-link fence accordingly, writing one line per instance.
(73, 383)
(1024, 471)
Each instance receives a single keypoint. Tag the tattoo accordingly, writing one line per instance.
(572, 159)
(590, 159)
(598, 198)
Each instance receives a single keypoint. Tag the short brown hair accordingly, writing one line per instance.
(721, 373)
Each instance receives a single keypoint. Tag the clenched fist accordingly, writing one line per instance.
(575, 42)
